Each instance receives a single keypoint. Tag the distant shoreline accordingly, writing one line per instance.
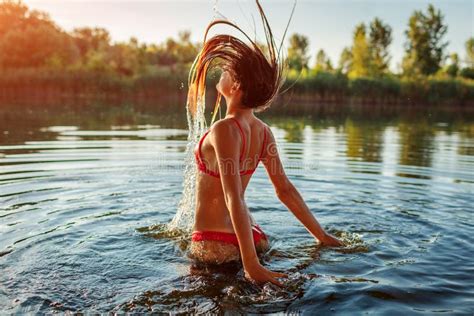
(63, 86)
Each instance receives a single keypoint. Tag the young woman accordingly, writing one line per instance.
(230, 151)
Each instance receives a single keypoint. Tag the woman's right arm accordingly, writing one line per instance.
(227, 155)
(289, 195)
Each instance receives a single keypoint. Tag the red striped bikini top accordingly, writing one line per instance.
(202, 167)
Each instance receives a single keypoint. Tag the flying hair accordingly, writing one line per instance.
(260, 74)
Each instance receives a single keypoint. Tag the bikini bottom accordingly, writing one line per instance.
(229, 238)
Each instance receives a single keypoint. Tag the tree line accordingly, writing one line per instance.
(369, 54)
(38, 58)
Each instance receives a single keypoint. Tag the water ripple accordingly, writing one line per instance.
(83, 216)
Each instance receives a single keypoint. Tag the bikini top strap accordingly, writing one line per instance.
(200, 144)
(264, 142)
(243, 137)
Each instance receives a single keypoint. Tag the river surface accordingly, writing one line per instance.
(85, 194)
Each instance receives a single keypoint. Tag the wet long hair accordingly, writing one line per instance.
(260, 74)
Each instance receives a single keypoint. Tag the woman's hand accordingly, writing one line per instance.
(331, 241)
(260, 274)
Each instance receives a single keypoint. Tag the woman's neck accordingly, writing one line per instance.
(237, 109)
(239, 112)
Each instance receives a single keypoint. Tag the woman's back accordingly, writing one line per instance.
(250, 136)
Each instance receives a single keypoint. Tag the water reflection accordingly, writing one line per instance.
(416, 142)
(21, 124)
(364, 142)
(466, 135)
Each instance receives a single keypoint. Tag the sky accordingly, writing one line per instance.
(328, 24)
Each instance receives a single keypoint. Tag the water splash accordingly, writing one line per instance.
(184, 217)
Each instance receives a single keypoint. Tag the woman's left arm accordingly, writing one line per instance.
(289, 195)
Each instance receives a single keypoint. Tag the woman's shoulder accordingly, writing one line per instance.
(223, 126)
(228, 124)
(265, 126)
(227, 121)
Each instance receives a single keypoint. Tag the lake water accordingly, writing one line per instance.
(84, 196)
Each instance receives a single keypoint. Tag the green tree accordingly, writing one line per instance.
(468, 71)
(323, 63)
(186, 50)
(13, 16)
(298, 52)
(180, 51)
(31, 39)
(425, 48)
(91, 39)
(453, 68)
(361, 58)
(345, 60)
(123, 57)
(380, 38)
(469, 45)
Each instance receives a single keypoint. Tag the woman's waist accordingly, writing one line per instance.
(202, 223)
(224, 230)
(215, 219)
(225, 236)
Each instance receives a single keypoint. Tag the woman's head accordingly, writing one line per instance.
(252, 75)
(246, 68)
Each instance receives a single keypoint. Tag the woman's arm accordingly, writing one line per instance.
(225, 140)
(295, 203)
(289, 195)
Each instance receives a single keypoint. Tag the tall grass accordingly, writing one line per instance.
(336, 87)
(171, 84)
